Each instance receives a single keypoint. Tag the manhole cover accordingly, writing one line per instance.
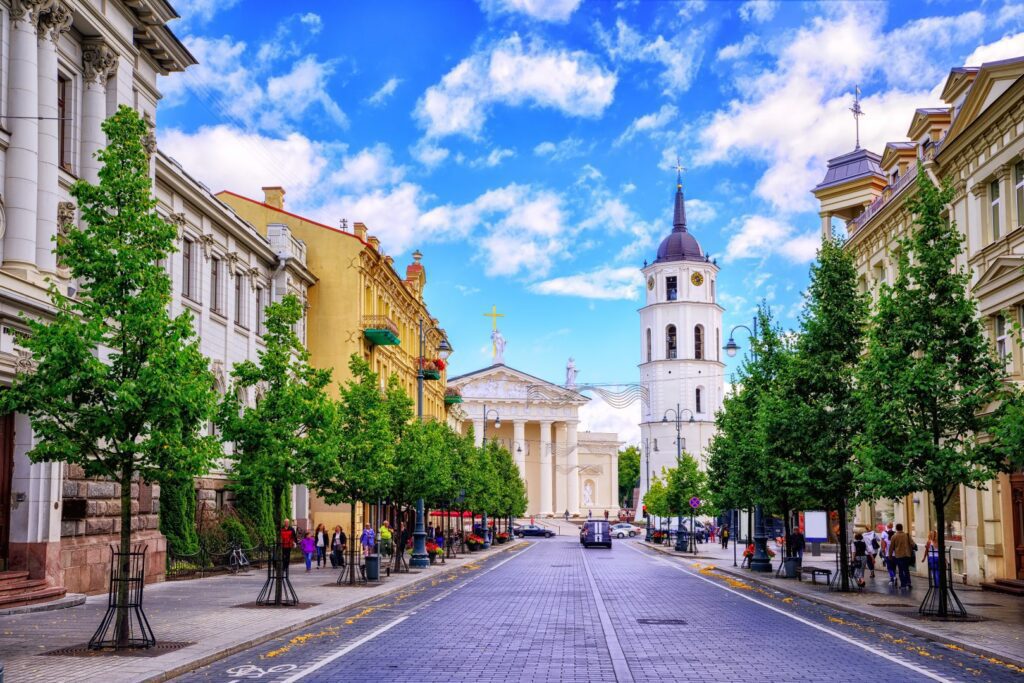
(662, 622)
(161, 648)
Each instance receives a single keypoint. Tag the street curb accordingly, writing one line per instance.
(262, 638)
(852, 609)
(69, 600)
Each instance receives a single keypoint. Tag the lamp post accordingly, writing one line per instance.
(483, 434)
(647, 476)
(678, 417)
(760, 562)
(419, 534)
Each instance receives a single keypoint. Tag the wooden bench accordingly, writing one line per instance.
(815, 572)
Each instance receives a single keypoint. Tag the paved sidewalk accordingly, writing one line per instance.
(1000, 633)
(206, 612)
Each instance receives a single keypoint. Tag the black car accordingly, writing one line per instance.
(596, 532)
(533, 530)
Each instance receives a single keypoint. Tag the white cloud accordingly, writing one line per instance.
(513, 73)
(1011, 13)
(370, 167)
(494, 158)
(1004, 48)
(739, 50)
(384, 92)
(648, 123)
(628, 187)
(291, 93)
(543, 10)
(291, 37)
(680, 56)
(700, 212)
(467, 291)
(428, 154)
(199, 11)
(762, 236)
(598, 416)
(569, 148)
(758, 10)
(603, 283)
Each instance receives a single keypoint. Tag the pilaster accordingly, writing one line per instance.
(572, 467)
(99, 63)
(545, 469)
(519, 446)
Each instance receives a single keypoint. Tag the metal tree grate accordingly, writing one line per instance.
(84, 650)
(277, 591)
(124, 625)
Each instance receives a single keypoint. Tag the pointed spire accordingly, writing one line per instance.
(679, 216)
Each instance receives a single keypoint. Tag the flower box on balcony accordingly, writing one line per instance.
(449, 400)
(380, 330)
(432, 374)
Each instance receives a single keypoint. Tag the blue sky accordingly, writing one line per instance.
(525, 146)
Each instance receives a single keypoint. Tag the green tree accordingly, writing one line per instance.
(285, 436)
(178, 515)
(511, 492)
(120, 386)
(629, 474)
(685, 481)
(813, 417)
(929, 375)
(656, 498)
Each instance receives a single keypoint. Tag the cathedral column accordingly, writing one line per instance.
(613, 463)
(572, 465)
(99, 63)
(519, 446)
(478, 432)
(22, 173)
(51, 25)
(545, 469)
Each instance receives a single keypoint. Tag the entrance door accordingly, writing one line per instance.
(1017, 507)
(6, 470)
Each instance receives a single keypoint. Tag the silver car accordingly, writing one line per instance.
(623, 529)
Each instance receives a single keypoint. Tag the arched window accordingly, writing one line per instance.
(698, 397)
(648, 345)
(698, 342)
(670, 342)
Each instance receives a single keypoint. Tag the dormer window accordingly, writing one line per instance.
(994, 203)
(671, 288)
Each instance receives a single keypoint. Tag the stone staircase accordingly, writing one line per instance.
(1008, 586)
(17, 589)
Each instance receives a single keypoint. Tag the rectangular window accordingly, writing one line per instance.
(1018, 180)
(63, 148)
(239, 301)
(993, 194)
(187, 256)
(215, 285)
(1002, 341)
(259, 311)
(671, 289)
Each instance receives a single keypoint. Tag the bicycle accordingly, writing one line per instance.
(237, 561)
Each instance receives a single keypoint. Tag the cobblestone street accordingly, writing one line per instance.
(552, 611)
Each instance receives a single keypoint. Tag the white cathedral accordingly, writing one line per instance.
(681, 371)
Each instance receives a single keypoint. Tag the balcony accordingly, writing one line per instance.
(890, 193)
(380, 330)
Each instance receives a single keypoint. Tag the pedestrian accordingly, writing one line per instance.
(873, 544)
(797, 543)
(931, 556)
(308, 545)
(890, 564)
(901, 550)
(860, 558)
(338, 542)
(725, 537)
(590, 514)
(386, 536)
(323, 541)
(566, 517)
(606, 515)
(367, 540)
(289, 539)
(711, 533)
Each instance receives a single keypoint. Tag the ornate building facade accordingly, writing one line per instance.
(976, 142)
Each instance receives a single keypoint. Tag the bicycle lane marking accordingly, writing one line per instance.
(390, 625)
(807, 622)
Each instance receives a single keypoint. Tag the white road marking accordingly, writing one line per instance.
(611, 638)
(373, 634)
(834, 634)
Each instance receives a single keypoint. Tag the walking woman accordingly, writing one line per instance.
(931, 556)
(338, 542)
(322, 540)
(860, 558)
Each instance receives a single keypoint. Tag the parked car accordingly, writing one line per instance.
(622, 529)
(533, 530)
(596, 532)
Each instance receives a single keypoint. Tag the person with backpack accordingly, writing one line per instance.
(725, 537)
(367, 540)
(901, 551)
(860, 556)
(873, 546)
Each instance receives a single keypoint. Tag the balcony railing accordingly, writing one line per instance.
(381, 330)
(881, 201)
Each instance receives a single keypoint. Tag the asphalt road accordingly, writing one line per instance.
(552, 611)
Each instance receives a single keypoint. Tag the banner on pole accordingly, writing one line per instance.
(816, 526)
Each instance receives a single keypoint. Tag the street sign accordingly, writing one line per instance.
(695, 502)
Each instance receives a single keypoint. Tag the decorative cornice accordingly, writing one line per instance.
(21, 9)
(178, 220)
(24, 363)
(53, 22)
(233, 259)
(207, 242)
(65, 217)
(98, 61)
(254, 276)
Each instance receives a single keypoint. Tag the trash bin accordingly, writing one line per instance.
(792, 567)
(373, 567)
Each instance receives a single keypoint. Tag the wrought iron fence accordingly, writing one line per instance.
(209, 562)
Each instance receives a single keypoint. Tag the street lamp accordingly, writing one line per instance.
(760, 562)
(483, 434)
(677, 414)
(419, 535)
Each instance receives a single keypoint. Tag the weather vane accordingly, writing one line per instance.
(857, 113)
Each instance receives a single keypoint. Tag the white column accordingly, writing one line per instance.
(613, 461)
(99, 63)
(545, 469)
(572, 475)
(519, 446)
(478, 432)
(826, 224)
(51, 25)
(23, 153)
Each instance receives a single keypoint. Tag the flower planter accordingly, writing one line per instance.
(449, 400)
(473, 547)
(432, 374)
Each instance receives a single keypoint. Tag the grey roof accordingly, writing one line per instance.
(860, 163)
(680, 245)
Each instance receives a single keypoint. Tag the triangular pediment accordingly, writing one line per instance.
(994, 79)
(501, 382)
(1002, 270)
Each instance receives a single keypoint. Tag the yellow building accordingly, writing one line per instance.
(976, 142)
(359, 305)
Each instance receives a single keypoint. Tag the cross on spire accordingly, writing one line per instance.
(679, 171)
(857, 113)
(494, 315)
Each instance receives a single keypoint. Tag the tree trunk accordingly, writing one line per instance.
(787, 530)
(352, 546)
(396, 560)
(844, 549)
(277, 496)
(123, 626)
(939, 500)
